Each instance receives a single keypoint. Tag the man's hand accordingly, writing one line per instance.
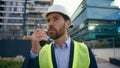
(37, 36)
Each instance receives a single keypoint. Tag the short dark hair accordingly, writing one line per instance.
(65, 17)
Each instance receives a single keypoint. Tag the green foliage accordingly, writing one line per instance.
(99, 43)
(105, 43)
(10, 64)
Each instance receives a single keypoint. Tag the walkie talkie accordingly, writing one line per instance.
(42, 43)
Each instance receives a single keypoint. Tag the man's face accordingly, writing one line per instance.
(56, 25)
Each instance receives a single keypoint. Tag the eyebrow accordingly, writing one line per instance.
(53, 17)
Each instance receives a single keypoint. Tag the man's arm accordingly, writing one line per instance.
(30, 62)
(93, 63)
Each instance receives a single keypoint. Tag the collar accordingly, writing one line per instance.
(66, 44)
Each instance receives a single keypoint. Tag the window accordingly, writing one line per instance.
(15, 15)
(15, 9)
(31, 27)
(107, 29)
(15, 21)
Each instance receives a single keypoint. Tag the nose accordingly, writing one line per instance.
(50, 23)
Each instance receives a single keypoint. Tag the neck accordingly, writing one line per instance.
(62, 39)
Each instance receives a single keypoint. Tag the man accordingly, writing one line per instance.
(63, 52)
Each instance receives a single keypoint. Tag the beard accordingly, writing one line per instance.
(54, 34)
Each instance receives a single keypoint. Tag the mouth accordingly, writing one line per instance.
(50, 31)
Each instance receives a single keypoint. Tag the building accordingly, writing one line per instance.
(17, 16)
(95, 19)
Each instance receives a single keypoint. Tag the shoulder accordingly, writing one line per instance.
(80, 44)
(46, 48)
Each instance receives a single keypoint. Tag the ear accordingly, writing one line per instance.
(68, 23)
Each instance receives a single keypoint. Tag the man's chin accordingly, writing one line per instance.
(54, 37)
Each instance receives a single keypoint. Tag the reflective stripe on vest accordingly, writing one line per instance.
(80, 58)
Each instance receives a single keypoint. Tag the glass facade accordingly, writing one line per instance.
(94, 20)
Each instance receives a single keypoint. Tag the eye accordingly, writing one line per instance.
(55, 19)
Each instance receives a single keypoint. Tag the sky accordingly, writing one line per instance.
(70, 5)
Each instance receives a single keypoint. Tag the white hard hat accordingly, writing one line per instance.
(59, 9)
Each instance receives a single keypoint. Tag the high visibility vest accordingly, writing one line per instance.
(79, 56)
